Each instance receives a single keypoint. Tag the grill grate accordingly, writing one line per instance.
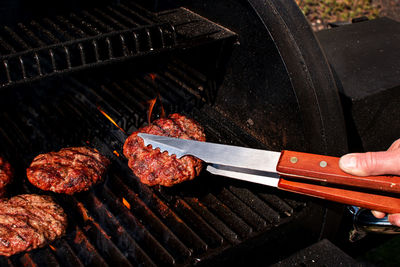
(173, 226)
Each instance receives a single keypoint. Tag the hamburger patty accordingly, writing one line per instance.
(6, 174)
(154, 167)
(68, 171)
(28, 222)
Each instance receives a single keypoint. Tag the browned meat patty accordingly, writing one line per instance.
(154, 167)
(28, 222)
(6, 174)
(68, 171)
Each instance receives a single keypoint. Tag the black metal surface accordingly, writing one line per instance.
(366, 61)
(323, 253)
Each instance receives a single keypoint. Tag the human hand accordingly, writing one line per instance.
(375, 163)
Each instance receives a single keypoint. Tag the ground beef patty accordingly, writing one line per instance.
(28, 222)
(6, 174)
(154, 167)
(68, 171)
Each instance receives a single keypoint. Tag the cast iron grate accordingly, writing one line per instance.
(122, 221)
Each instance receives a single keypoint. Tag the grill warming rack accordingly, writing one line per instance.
(55, 46)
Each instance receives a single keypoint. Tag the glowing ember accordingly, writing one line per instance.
(126, 203)
(84, 212)
(116, 153)
(153, 76)
(101, 230)
(52, 248)
(79, 237)
(110, 119)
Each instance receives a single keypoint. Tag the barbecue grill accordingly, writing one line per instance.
(251, 72)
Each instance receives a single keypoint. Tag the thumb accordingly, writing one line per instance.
(371, 163)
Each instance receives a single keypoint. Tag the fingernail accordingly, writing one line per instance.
(348, 162)
(378, 214)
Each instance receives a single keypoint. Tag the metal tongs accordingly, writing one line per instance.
(304, 173)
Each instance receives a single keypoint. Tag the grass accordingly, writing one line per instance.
(338, 10)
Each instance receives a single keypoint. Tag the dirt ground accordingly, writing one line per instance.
(390, 8)
(321, 13)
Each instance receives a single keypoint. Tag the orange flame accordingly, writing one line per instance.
(152, 103)
(52, 248)
(126, 203)
(110, 119)
(116, 153)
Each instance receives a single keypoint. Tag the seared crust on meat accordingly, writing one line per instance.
(6, 174)
(28, 222)
(68, 171)
(154, 167)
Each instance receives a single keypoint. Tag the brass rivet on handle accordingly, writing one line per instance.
(293, 159)
(323, 164)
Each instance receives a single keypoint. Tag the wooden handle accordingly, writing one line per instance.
(326, 169)
(360, 199)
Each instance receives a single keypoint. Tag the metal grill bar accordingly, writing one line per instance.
(106, 27)
(172, 245)
(18, 40)
(65, 254)
(91, 29)
(111, 20)
(119, 15)
(256, 204)
(206, 232)
(136, 232)
(70, 27)
(135, 14)
(60, 33)
(218, 225)
(45, 34)
(85, 250)
(227, 216)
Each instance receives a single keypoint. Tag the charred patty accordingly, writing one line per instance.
(28, 222)
(154, 167)
(6, 174)
(68, 171)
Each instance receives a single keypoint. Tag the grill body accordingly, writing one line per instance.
(234, 74)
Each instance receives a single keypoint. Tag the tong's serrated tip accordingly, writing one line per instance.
(155, 144)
